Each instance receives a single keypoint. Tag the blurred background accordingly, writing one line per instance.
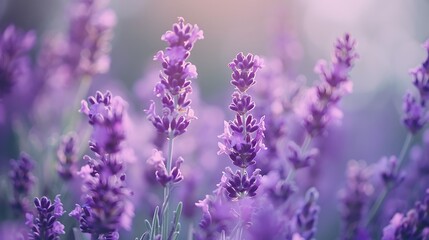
(389, 35)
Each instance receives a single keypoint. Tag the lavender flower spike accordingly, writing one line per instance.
(67, 157)
(14, 60)
(306, 217)
(175, 80)
(243, 137)
(45, 224)
(415, 109)
(22, 180)
(334, 84)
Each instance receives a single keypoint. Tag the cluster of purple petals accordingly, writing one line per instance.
(415, 108)
(175, 80)
(334, 84)
(354, 200)
(106, 115)
(90, 31)
(162, 175)
(45, 223)
(413, 225)
(14, 59)
(389, 171)
(217, 215)
(22, 180)
(243, 137)
(106, 206)
(306, 217)
(67, 157)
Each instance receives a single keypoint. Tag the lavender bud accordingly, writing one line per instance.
(22, 181)
(306, 217)
(45, 224)
(67, 157)
(239, 185)
(14, 60)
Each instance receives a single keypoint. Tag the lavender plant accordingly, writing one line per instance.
(173, 90)
(22, 180)
(45, 223)
(106, 208)
(14, 61)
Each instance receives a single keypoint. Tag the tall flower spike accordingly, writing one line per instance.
(243, 137)
(106, 206)
(354, 199)
(415, 109)
(14, 59)
(90, 31)
(334, 84)
(175, 80)
(22, 180)
(45, 224)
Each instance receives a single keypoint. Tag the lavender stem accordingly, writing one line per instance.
(389, 188)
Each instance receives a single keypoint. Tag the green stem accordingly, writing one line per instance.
(375, 208)
(165, 204)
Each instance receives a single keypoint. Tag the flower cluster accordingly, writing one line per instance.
(14, 60)
(67, 157)
(90, 31)
(354, 199)
(106, 207)
(243, 137)
(106, 115)
(162, 175)
(45, 224)
(415, 112)
(335, 83)
(175, 80)
(306, 217)
(22, 180)
(413, 225)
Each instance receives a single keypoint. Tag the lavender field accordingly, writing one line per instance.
(226, 120)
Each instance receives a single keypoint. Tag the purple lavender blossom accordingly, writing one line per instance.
(22, 181)
(415, 112)
(334, 84)
(243, 137)
(413, 225)
(45, 224)
(306, 217)
(389, 173)
(300, 158)
(106, 115)
(67, 157)
(175, 84)
(240, 185)
(90, 31)
(106, 206)
(354, 199)
(14, 60)
(162, 176)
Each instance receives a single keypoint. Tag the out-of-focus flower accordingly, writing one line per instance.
(415, 109)
(301, 158)
(90, 31)
(162, 176)
(354, 198)
(334, 84)
(413, 225)
(389, 173)
(45, 224)
(307, 215)
(22, 180)
(67, 157)
(14, 59)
